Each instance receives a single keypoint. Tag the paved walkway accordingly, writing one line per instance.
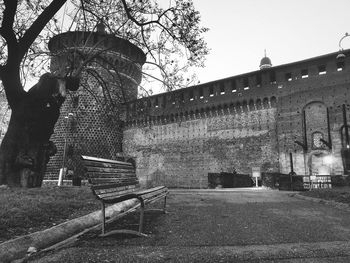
(223, 226)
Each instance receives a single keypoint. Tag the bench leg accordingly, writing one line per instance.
(164, 205)
(103, 214)
(123, 231)
(142, 212)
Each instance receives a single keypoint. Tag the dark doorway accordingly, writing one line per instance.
(229, 180)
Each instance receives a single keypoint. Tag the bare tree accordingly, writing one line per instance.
(170, 35)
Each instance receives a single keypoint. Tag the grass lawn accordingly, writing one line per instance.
(26, 211)
(339, 194)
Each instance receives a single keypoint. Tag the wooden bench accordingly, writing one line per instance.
(115, 181)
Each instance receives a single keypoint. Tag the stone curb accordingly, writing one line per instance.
(248, 253)
(221, 190)
(18, 248)
(338, 205)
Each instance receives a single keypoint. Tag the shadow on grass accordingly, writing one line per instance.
(24, 211)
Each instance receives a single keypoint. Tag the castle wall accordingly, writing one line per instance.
(252, 120)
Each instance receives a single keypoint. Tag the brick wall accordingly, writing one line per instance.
(181, 154)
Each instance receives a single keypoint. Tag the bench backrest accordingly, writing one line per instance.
(106, 174)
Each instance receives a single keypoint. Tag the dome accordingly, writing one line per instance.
(265, 62)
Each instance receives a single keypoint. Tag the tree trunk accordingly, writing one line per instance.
(26, 147)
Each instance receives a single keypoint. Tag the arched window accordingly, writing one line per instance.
(316, 140)
(244, 106)
(258, 104)
(238, 107)
(266, 103)
(273, 101)
(251, 105)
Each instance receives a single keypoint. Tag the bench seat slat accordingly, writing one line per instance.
(102, 160)
(121, 191)
(109, 166)
(121, 177)
(114, 192)
(154, 194)
(106, 186)
(145, 191)
(101, 175)
(99, 180)
(109, 169)
(113, 198)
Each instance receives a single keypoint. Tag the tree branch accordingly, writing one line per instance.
(8, 20)
(6, 29)
(31, 34)
(128, 14)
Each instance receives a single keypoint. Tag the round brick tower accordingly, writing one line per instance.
(91, 119)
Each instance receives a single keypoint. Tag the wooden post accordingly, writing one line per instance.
(164, 205)
(291, 162)
(346, 127)
(103, 218)
(291, 170)
(329, 130)
(305, 133)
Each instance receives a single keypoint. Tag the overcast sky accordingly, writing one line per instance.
(290, 30)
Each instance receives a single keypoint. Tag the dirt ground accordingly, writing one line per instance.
(223, 226)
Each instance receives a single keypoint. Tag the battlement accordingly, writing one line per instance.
(97, 41)
(241, 93)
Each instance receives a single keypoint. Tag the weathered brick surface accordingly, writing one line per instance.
(179, 137)
(182, 154)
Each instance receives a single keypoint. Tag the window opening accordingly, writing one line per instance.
(222, 89)
(289, 76)
(201, 94)
(233, 86)
(191, 95)
(272, 77)
(340, 66)
(322, 70)
(182, 97)
(316, 140)
(245, 84)
(211, 91)
(304, 73)
(258, 80)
